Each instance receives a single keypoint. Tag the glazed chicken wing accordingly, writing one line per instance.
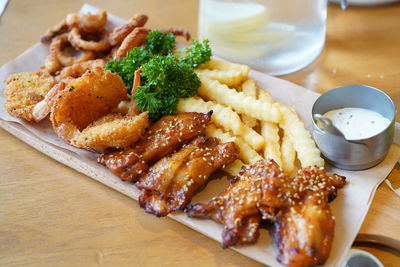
(304, 232)
(172, 181)
(304, 225)
(236, 207)
(162, 138)
(281, 191)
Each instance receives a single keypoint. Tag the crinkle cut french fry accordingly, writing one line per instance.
(249, 88)
(249, 121)
(223, 117)
(234, 168)
(238, 101)
(231, 74)
(270, 132)
(254, 139)
(265, 96)
(307, 151)
(192, 104)
(288, 154)
(247, 154)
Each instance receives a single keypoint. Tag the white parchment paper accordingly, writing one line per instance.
(349, 208)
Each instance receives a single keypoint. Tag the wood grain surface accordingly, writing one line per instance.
(51, 215)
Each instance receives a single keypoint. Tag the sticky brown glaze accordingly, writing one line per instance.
(304, 224)
(164, 137)
(281, 191)
(172, 181)
(298, 206)
(236, 207)
(304, 232)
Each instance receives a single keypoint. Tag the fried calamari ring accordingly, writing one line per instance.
(75, 36)
(119, 33)
(85, 100)
(24, 91)
(136, 38)
(78, 69)
(52, 64)
(113, 130)
(57, 47)
(54, 31)
(87, 22)
(178, 32)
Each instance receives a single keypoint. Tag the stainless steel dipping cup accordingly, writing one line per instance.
(354, 154)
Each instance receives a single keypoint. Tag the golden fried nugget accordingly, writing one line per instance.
(85, 100)
(113, 130)
(24, 91)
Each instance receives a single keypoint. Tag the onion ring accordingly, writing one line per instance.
(75, 37)
(56, 30)
(56, 51)
(136, 38)
(78, 69)
(87, 22)
(178, 32)
(119, 33)
(51, 64)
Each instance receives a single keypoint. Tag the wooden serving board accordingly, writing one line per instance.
(85, 163)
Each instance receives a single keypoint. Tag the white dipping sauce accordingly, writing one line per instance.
(357, 123)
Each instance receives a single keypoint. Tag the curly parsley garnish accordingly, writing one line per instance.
(165, 76)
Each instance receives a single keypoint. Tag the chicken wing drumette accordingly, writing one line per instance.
(237, 207)
(172, 181)
(162, 138)
(304, 225)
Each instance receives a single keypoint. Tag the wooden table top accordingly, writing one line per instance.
(51, 215)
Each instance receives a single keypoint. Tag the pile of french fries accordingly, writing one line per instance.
(248, 116)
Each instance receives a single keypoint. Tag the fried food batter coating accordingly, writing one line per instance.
(162, 138)
(75, 37)
(113, 130)
(87, 22)
(119, 33)
(171, 182)
(43, 108)
(85, 100)
(54, 31)
(237, 207)
(52, 64)
(78, 69)
(24, 91)
(298, 207)
(179, 32)
(136, 38)
(59, 57)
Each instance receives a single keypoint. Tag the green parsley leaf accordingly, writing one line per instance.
(165, 77)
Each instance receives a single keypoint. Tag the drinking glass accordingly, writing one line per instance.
(273, 36)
